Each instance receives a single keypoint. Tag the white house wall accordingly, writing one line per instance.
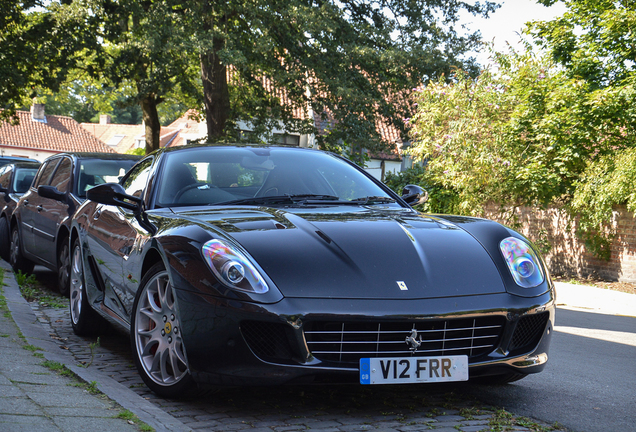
(374, 167)
(39, 155)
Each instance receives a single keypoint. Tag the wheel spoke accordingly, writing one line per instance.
(152, 303)
(178, 351)
(165, 374)
(177, 362)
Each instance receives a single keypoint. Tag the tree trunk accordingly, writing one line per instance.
(216, 94)
(151, 122)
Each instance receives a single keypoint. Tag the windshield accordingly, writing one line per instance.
(97, 171)
(220, 176)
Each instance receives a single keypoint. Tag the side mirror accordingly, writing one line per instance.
(113, 194)
(51, 192)
(413, 194)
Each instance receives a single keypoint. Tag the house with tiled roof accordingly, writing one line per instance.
(124, 137)
(191, 127)
(39, 136)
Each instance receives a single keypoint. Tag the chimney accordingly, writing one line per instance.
(37, 112)
(104, 119)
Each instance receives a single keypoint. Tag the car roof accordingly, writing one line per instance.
(236, 145)
(9, 159)
(97, 155)
(25, 164)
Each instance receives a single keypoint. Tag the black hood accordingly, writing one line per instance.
(358, 252)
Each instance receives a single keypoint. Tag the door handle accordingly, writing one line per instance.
(40, 208)
(97, 214)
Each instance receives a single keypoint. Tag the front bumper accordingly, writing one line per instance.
(230, 342)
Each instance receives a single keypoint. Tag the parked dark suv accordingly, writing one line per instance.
(41, 220)
(15, 180)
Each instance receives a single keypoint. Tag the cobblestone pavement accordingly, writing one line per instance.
(291, 408)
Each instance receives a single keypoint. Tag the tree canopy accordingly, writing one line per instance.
(266, 63)
(594, 39)
(348, 62)
(550, 126)
(37, 50)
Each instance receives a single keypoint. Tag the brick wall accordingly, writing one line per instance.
(567, 255)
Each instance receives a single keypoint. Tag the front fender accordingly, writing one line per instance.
(490, 234)
(181, 250)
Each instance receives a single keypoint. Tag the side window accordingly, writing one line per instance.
(5, 176)
(23, 178)
(45, 172)
(135, 182)
(62, 177)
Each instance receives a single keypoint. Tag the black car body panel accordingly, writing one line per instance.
(334, 252)
(4, 160)
(337, 273)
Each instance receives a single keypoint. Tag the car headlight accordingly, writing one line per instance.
(523, 263)
(232, 267)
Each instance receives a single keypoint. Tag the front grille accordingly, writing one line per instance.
(347, 342)
(268, 341)
(529, 331)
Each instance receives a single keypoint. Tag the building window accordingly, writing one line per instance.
(116, 139)
(286, 139)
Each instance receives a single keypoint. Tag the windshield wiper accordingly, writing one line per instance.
(277, 199)
(304, 199)
(281, 199)
(373, 200)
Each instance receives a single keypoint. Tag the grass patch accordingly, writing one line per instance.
(59, 368)
(91, 387)
(133, 419)
(502, 420)
(3, 300)
(32, 290)
(32, 348)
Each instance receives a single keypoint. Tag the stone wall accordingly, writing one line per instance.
(567, 255)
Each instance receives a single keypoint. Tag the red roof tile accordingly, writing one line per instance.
(58, 134)
(122, 136)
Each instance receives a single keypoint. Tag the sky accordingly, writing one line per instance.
(508, 20)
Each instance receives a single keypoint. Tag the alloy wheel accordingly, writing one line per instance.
(15, 247)
(157, 333)
(64, 270)
(77, 285)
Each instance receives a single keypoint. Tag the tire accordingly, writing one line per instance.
(84, 319)
(63, 268)
(155, 337)
(16, 259)
(5, 239)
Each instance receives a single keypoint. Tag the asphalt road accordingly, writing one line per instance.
(589, 383)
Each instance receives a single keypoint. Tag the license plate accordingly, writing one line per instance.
(404, 370)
